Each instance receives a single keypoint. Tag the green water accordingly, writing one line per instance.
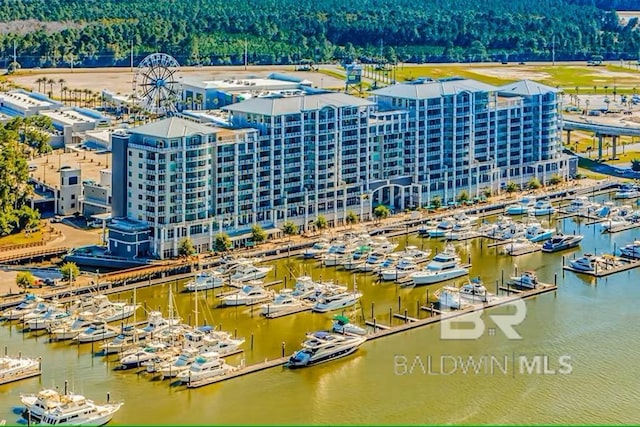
(595, 323)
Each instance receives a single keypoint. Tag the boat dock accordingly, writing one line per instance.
(624, 227)
(382, 330)
(602, 272)
(287, 312)
(528, 250)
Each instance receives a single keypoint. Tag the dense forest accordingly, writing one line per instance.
(48, 33)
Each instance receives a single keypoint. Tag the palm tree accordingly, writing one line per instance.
(586, 101)
(64, 92)
(61, 82)
(39, 81)
(51, 82)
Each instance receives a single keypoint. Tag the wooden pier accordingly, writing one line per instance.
(405, 317)
(240, 371)
(528, 250)
(281, 313)
(627, 265)
(375, 325)
(623, 227)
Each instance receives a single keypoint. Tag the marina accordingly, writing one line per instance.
(386, 309)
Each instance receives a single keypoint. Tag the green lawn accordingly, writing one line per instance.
(21, 238)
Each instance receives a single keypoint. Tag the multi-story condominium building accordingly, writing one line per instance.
(467, 135)
(298, 157)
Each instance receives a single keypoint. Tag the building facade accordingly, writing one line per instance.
(327, 154)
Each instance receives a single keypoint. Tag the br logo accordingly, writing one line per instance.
(504, 322)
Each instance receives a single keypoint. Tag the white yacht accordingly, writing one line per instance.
(449, 298)
(206, 339)
(543, 207)
(443, 227)
(176, 364)
(52, 316)
(17, 367)
(579, 204)
(631, 250)
(126, 340)
(336, 301)
(560, 242)
(414, 254)
(250, 272)
(382, 244)
(283, 301)
(613, 222)
(522, 207)
(205, 280)
(97, 331)
(71, 327)
(248, 295)
(444, 266)
(372, 262)
(304, 287)
(39, 310)
(535, 232)
(513, 231)
(342, 325)
(317, 249)
(528, 279)
(76, 410)
(29, 302)
(404, 267)
(206, 366)
(324, 346)
(156, 325)
(593, 263)
(137, 356)
(627, 192)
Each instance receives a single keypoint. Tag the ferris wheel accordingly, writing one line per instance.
(156, 87)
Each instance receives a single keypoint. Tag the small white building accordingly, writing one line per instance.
(99, 140)
(25, 104)
(72, 122)
(96, 196)
(70, 191)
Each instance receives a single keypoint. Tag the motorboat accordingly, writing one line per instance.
(206, 366)
(317, 249)
(627, 192)
(372, 262)
(631, 250)
(324, 346)
(444, 266)
(560, 242)
(462, 232)
(473, 292)
(607, 210)
(519, 245)
(495, 230)
(248, 295)
(17, 367)
(39, 311)
(528, 279)
(404, 267)
(304, 287)
(52, 316)
(342, 325)
(71, 328)
(522, 207)
(463, 219)
(382, 244)
(206, 339)
(283, 301)
(449, 298)
(97, 331)
(250, 272)
(205, 280)
(49, 404)
(177, 364)
(75, 409)
(513, 231)
(414, 254)
(443, 227)
(352, 262)
(150, 351)
(156, 325)
(593, 263)
(543, 207)
(125, 340)
(336, 301)
(535, 232)
(29, 302)
(579, 204)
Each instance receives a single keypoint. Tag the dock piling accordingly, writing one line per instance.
(282, 348)
(372, 306)
(406, 318)
(251, 341)
(399, 303)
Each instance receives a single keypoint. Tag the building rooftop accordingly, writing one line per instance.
(173, 127)
(68, 117)
(526, 88)
(276, 106)
(26, 100)
(243, 84)
(426, 89)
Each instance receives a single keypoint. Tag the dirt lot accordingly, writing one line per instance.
(120, 80)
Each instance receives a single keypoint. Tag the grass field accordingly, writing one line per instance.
(571, 77)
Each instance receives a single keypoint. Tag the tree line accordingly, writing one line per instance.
(91, 33)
